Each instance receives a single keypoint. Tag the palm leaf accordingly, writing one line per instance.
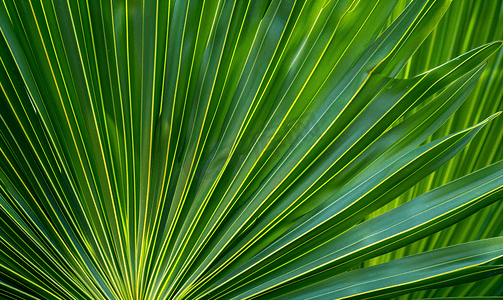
(474, 21)
(247, 149)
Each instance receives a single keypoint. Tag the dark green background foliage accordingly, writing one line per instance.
(220, 149)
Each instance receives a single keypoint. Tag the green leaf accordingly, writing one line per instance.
(429, 268)
(235, 149)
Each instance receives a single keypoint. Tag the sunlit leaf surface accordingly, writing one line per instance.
(228, 149)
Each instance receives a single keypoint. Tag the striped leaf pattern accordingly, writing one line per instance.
(237, 149)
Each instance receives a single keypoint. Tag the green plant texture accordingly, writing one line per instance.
(251, 149)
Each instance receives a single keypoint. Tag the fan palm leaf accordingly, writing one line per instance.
(248, 149)
(477, 23)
